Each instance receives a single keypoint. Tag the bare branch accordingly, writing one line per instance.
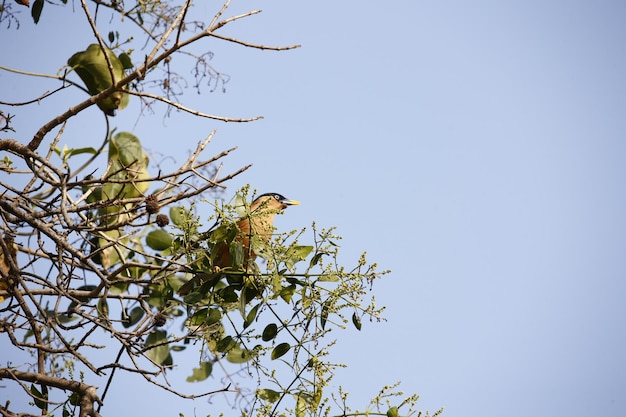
(252, 45)
(192, 111)
(87, 392)
(215, 26)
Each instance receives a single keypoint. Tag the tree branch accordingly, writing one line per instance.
(87, 392)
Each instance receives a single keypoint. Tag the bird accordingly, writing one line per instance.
(258, 223)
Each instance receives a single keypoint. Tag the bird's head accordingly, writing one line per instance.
(272, 201)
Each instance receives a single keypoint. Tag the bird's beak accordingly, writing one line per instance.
(290, 202)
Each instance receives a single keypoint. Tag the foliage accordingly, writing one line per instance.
(95, 250)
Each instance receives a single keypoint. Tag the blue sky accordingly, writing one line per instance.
(476, 149)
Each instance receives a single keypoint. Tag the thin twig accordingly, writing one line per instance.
(192, 111)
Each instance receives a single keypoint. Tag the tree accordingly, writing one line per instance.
(96, 245)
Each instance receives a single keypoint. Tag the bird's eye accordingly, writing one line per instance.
(277, 197)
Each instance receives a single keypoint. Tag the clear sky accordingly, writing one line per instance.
(477, 149)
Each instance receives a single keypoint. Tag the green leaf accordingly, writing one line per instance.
(356, 320)
(300, 406)
(111, 37)
(82, 299)
(127, 162)
(201, 373)
(317, 397)
(159, 239)
(77, 151)
(127, 63)
(177, 215)
(324, 313)
(269, 395)
(287, 292)
(85, 288)
(213, 316)
(250, 291)
(280, 350)
(193, 298)
(316, 258)
(127, 149)
(236, 254)
(159, 354)
(226, 344)
(328, 278)
(103, 308)
(159, 295)
(199, 317)
(38, 397)
(270, 332)
(251, 316)
(225, 231)
(242, 208)
(299, 252)
(92, 68)
(132, 318)
(64, 319)
(296, 281)
(296, 254)
(239, 355)
(96, 194)
(229, 294)
(306, 401)
(277, 281)
(36, 10)
(74, 398)
(104, 251)
(392, 412)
